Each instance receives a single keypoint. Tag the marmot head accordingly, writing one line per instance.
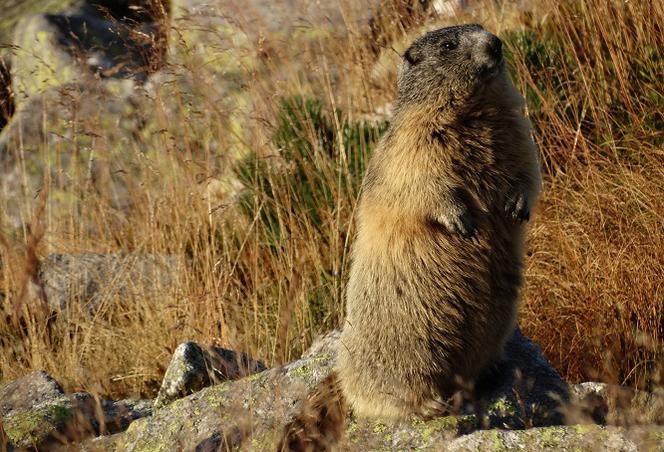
(448, 66)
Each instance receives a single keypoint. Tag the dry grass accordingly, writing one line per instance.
(258, 193)
(594, 298)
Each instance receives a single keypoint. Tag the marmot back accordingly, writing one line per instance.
(437, 261)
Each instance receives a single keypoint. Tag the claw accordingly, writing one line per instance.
(462, 225)
(517, 209)
(434, 408)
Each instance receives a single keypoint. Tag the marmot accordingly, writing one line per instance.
(437, 260)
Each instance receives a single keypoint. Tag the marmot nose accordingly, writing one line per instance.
(495, 47)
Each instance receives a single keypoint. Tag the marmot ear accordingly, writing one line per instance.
(413, 55)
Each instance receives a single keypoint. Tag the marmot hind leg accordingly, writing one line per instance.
(320, 421)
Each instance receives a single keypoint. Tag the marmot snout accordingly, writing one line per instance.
(456, 58)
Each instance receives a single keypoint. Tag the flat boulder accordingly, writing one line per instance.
(36, 413)
(25, 393)
(251, 412)
(562, 438)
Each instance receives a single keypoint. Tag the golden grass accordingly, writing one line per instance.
(268, 261)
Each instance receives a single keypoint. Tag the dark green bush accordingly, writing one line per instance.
(315, 165)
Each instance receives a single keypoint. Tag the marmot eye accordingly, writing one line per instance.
(449, 45)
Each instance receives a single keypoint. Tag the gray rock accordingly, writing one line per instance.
(323, 345)
(194, 367)
(524, 390)
(563, 438)
(35, 413)
(53, 43)
(251, 412)
(225, 414)
(91, 279)
(23, 394)
(613, 404)
(48, 138)
(116, 39)
(25, 130)
(42, 119)
(53, 50)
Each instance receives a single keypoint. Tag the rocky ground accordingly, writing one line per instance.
(215, 399)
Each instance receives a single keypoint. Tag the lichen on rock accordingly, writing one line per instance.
(194, 367)
(252, 411)
(36, 413)
(521, 411)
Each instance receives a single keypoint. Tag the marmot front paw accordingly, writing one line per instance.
(517, 208)
(459, 223)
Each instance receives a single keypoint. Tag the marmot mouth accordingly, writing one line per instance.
(490, 71)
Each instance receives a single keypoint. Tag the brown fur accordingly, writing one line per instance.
(437, 261)
(319, 424)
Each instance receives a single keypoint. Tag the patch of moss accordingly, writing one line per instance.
(35, 426)
(551, 436)
(584, 428)
(352, 434)
(147, 436)
(171, 405)
(351, 424)
(497, 443)
(305, 369)
(442, 424)
(262, 442)
(467, 424)
(215, 396)
(255, 377)
(39, 63)
(302, 371)
(321, 359)
(503, 407)
(379, 427)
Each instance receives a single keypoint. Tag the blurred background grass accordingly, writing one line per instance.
(245, 154)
